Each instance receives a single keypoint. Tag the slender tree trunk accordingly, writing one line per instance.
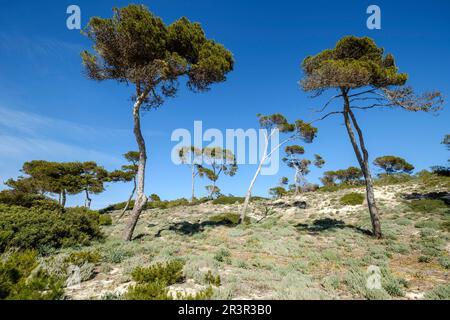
(296, 181)
(363, 159)
(141, 199)
(252, 183)
(64, 198)
(129, 200)
(59, 198)
(249, 194)
(193, 183)
(88, 200)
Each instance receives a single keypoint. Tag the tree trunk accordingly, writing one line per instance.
(363, 159)
(129, 200)
(252, 183)
(59, 198)
(193, 184)
(212, 190)
(88, 200)
(141, 199)
(64, 198)
(296, 181)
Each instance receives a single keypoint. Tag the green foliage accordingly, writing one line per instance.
(104, 220)
(155, 198)
(353, 63)
(27, 200)
(393, 164)
(277, 192)
(205, 294)
(138, 47)
(148, 291)
(43, 230)
(349, 176)
(150, 205)
(168, 273)
(223, 255)
(352, 199)
(389, 179)
(22, 279)
(426, 205)
(211, 279)
(439, 293)
(228, 200)
(228, 218)
(152, 283)
(81, 257)
(356, 280)
(444, 261)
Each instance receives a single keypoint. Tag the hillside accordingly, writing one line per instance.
(322, 251)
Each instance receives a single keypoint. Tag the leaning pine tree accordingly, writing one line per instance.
(136, 48)
(365, 79)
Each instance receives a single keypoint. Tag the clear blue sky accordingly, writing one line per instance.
(49, 110)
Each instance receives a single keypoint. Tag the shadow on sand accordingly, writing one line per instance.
(326, 224)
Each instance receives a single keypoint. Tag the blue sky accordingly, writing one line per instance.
(49, 110)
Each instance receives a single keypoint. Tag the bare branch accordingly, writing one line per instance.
(328, 103)
(326, 116)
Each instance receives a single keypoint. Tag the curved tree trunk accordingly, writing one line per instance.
(141, 199)
(88, 199)
(252, 183)
(129, 200)
(363, 159)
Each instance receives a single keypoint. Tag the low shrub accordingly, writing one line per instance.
(81, 257)
(426, 205)
(228, 218)
(439, 293)
(396, 178)
(212, 279)
(27, 200)
(168, 273)
(223, 255)
(153, 282)
(105, 220)
(22, 279)
(43, 230)
(352, 199)
(228, 200)
(148, 291)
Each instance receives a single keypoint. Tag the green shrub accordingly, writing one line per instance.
(228, 218)
(116, 255)
(27, 200)
(439, 293)
(44, 230)
(81, 257)
(152, 283)
(427, 205)
(388, 179)
(211, 279)
(22, 279)
(228, 200)
(337, 187)
(205, 294)
(168, 273)
(352, 199)
(105, 220)
(148, 291)
(424, 259)
(444, 261)
(223, 255)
